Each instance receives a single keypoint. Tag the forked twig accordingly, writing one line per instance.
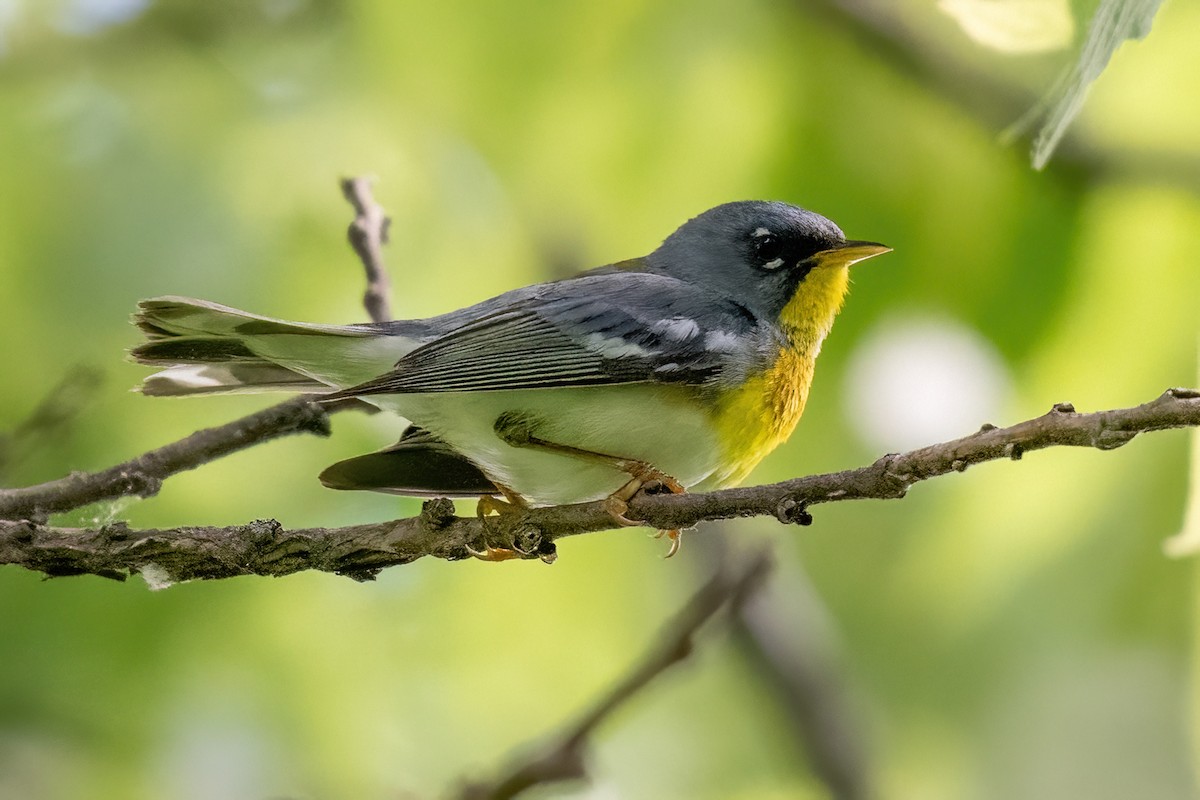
(564, 757)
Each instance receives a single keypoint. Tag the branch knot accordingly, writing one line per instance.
(313, 418)
(438, 513)
(793, 512)
(136, 482)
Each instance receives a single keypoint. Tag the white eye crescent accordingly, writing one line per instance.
(760, 232)
(773, 264)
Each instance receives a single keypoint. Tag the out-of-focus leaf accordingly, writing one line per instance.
(1014, 26)
(1114, 22)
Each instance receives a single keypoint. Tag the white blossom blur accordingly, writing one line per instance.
(915, 381)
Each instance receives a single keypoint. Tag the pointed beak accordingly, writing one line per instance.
(850, 252)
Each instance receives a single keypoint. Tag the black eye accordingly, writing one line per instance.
(768, 252)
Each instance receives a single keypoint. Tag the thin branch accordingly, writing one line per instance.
(563, 758)
(788, 637)
(810, 686)
(143, 476)
(52, 416)
(368, 234)
(883, 30)
(361, 551)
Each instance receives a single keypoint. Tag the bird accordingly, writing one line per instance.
(676, 371)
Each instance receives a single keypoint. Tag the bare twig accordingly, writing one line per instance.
(883, 30)
(563, 758)
(788, 638)
(143, 476)
(790, 651)
(57, 410)
(368, 234)
(363, 550)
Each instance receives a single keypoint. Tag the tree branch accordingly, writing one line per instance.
(779, 635)
(883, 30)
(368, 234)
(788, 638)
(52, 416)
(143, 476)
(361, 551)
(564, 757)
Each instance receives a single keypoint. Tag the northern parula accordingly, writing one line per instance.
(684, 367)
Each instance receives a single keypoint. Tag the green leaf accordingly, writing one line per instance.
(1114, 22)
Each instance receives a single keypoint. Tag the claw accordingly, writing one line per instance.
(676, 537)
(492, 554)
(646, 478)
(616, 508)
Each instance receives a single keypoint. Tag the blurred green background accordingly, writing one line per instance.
(1014, 631)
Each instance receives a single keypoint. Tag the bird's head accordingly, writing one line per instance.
(777, 260)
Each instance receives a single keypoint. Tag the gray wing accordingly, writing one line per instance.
(596, 329)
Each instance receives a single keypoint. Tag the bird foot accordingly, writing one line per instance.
(617, 508)
(488, 505)
(650, 480)
(493, 554)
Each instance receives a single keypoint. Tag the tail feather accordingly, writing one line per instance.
(192, 350)
(162, 317)
(208, 348)
(419, 465)
(188, 379)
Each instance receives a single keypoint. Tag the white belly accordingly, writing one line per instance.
(650, 423)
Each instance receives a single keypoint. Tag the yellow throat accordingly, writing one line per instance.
(757, 417)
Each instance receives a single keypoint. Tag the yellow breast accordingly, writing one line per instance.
(757, 417)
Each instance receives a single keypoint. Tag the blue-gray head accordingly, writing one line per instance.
(755, 251)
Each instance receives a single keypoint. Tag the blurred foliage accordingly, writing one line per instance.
(1011, 632)
(1113, 23)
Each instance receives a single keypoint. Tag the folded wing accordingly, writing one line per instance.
(598, 329)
